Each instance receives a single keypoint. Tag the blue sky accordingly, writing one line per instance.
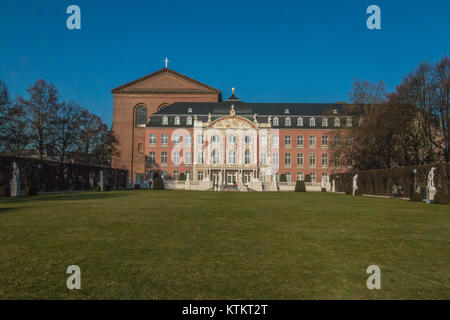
(271, 51)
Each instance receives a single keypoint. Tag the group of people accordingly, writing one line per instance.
(397, 191)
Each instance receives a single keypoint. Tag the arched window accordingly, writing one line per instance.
(189, 120)
(287, 122)
(177, 120)
(275, 121)
(299, 122)
(141, 116)
(165, 120)
(247, 139)
(324, 122)
(312, 122)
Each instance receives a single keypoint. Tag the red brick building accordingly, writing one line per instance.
(169, 124)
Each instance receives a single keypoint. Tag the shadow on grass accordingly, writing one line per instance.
(66, 196)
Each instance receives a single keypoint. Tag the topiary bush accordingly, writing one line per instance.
(300, 186)
(158, 184)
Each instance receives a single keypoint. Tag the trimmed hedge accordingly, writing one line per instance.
(380, 182)
(158, 184)
(43, 175)
(300, 186)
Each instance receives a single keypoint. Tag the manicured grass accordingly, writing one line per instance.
(222, 245)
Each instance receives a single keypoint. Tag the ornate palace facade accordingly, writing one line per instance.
(170, 125)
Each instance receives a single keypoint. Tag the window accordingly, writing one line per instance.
(287, 159)
(215, 156)
(313, 176)
(275, 158)
(263, 140)
(189, 110)
(349, 141)
(312, 122)
(299, 122)
(337, 122)
(216, 139)
(141, 116)
(312, 141)
(275, 140)
(287, 122)
(324, 177)
(262, 176)
(275, 121)
(324, 160)
(337, 141)
(164, 157)
(232, 156)
(188, 139)
(337, 162)
(176, 157)
(152, 138)
(200, 139)
(231, 139)
(286, 110)
(176, 139)
(176, 175)
(263, 158)
(165, 120)
(189, 121)
(300, 141)
(151, 158)
(247, 157)
(164, 138)
(312, 160)
(287, 141)
(299, 176)
(324, 141)
(324, 122)
(247, 139)
(300, 159)
(188, 157)
(200, 157)
(288, 176)
(200, 175)
(177, 120)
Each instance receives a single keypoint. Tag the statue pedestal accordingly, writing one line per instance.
(429, 194)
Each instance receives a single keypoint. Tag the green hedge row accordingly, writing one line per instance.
(380, 182)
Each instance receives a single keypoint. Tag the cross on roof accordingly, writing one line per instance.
(166, 61)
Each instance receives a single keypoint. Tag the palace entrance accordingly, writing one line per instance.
(231, 177)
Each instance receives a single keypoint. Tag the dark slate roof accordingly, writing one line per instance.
(247, 110)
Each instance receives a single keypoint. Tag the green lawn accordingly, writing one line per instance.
(222, 245)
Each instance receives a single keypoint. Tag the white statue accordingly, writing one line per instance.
(333, 186)
(355, 183)
(209, 117)
(15, 181)
(430, 181)
(101, 183)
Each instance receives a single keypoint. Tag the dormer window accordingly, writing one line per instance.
(300, 122)
(312, 122)
(324, 122)
(275, 121)
(177, 120)
(189, 120)
(165, 120)
(349, 121)
(287, 122)
(189, 110)
(335, 111)
(337, 122)
(286, 110)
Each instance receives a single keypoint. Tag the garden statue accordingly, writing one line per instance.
(15, 181)
(430, 181)
(430, 189)
(355, 183)
(101, 183)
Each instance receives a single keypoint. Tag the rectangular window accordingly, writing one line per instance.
(288, 176)
(200, 158)
(300, 159)
(164, 138)
(313, 177)
(312, 160)
(188, 139)
(337, 162)
(151, 158)
(275, 140)
(200, 139)
(152, 138)
(263, 140)
(287, 159)
(324, 160)
(188, 157)
(299, 176)
(300, 141)
(164, 157)
(287, 141)
(262, 158)
(312, 141)
(200, 175)
(324, 177)
(324, 141)
(176, 139)
(176, 157)
(337, 141)
(275, 158)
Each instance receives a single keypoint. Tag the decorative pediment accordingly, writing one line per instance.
(232, 123)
